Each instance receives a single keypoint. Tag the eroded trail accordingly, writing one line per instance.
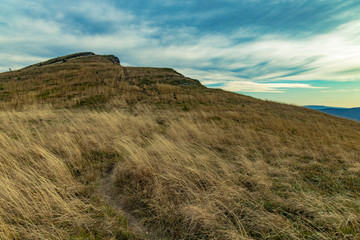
(107, 192)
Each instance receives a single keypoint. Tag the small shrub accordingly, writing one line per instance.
(186, 108)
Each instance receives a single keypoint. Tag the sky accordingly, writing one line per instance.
(303, 52)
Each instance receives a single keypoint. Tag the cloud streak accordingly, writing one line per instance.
(202, 41)
(248, 86)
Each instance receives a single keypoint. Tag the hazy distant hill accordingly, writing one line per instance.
(90, 149)
(350, 113)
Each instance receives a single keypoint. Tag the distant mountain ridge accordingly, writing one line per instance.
(349, 113)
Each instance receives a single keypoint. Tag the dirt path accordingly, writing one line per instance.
(109, 196)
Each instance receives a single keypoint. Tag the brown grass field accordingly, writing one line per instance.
(93, 150)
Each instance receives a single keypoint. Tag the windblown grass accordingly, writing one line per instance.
(40, 197)
(188, 162)
(196, 174)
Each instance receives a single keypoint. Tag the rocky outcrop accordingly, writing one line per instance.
(111, 58)
(65, 58)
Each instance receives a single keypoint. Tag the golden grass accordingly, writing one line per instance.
(90, 81)
(40, 197)
(204, 177)
(196, 174)
(188, 162)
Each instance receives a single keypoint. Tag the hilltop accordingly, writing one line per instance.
(85, 79)
(91, 149)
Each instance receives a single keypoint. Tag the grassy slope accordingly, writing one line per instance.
(91, 81)
(187, 161)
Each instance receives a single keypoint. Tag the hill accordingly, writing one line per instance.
(85, 79)
(321, 107)
(349, 113)
(94, 150)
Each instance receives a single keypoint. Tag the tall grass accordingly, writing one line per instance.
(207, 176)
(210, 173)
(185, 161)
(43, 195)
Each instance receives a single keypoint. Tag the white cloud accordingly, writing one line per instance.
(16, 61)
(230, 82)
(249, 86)
(340, 90)
(99, 12)
(18, 58)
(323, 56)
(211, 58)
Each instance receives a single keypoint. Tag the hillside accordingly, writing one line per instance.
(86, 79)
(349, 113)
(94, 150)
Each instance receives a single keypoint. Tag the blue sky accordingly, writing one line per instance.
(294, 51)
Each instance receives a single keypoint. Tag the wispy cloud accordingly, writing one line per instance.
(340, 90)
(233, 44)
(248, 86)
(238, 84)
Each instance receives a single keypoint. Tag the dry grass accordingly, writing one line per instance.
(189, 162)
(42, 195)
(196, 174)
(208, 176)
(91, 81)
